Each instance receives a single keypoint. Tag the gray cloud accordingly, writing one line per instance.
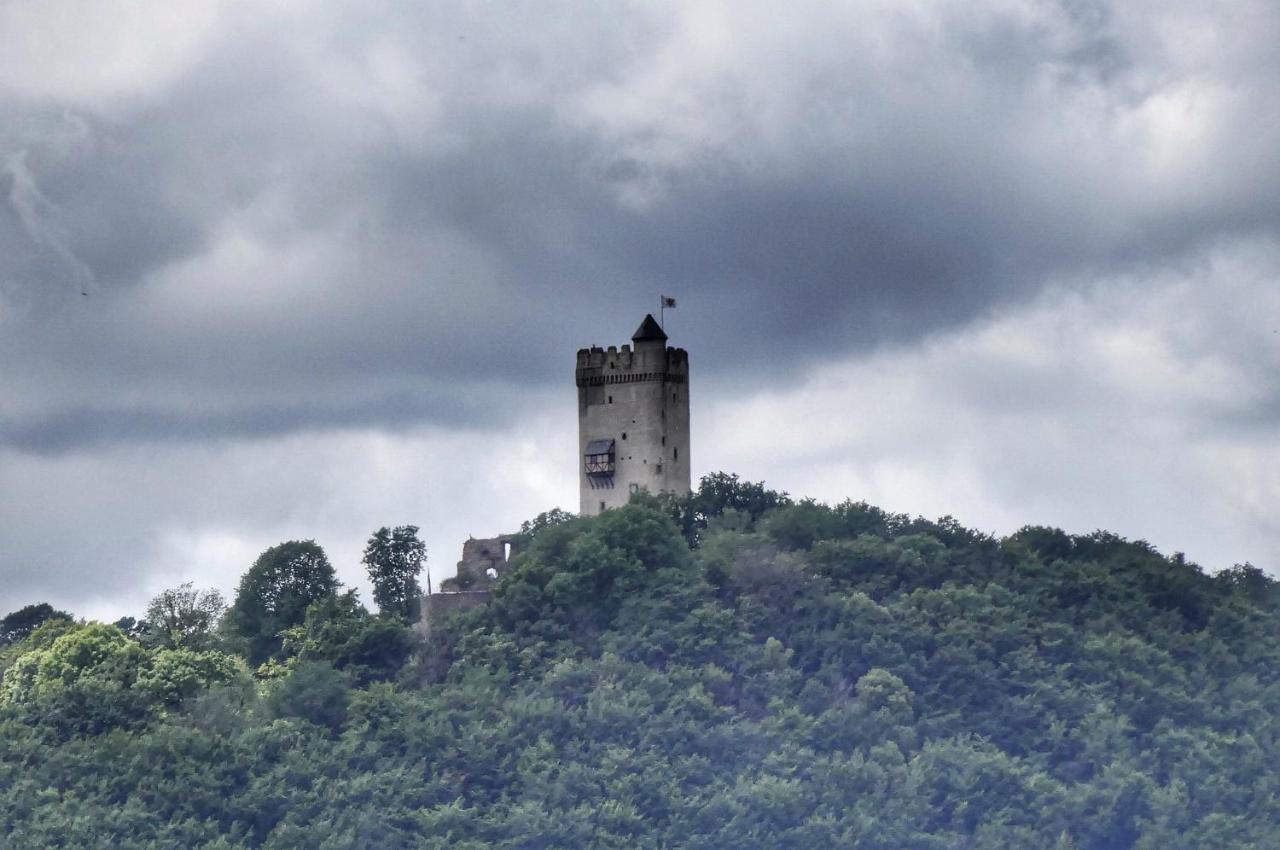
(453, 194)
(1083, 410)
(40, 223)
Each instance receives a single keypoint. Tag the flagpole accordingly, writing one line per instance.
(664, 301)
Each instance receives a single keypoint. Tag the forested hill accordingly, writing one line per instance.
(732, 670)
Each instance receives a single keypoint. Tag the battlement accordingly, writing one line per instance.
(597, 366)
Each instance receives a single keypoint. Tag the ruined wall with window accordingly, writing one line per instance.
(484, 561)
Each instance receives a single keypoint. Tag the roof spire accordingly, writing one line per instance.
(649, 330)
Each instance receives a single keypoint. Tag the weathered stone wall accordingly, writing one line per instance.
(437, 605)
(640, 398)
(479, 556)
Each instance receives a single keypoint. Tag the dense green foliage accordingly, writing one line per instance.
(17, 625)
(90, 678)
(394, 558)
(183, 616)
(732, 670)
(274, 595)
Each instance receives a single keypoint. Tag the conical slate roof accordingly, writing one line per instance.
(649, 330)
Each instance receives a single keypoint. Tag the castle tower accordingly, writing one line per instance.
(633, 420)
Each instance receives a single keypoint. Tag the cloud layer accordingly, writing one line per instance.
(1146, 408)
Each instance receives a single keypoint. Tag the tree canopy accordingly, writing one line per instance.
(184, 616)
(274, 595)
(394, 557)
(18, 624)
(797, 676)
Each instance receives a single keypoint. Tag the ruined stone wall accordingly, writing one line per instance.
(479, 556)
(437, 605)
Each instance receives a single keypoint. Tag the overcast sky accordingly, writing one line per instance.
(279, 270)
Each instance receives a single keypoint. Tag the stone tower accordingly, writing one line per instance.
(633, 420)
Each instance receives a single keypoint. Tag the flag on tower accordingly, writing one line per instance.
(668, 301)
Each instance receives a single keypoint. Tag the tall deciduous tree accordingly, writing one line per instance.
(18, 624)
(394, 558)
(275, 592)
(184, 617)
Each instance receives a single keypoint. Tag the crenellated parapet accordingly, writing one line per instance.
(599, 366)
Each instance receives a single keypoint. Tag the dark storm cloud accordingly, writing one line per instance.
(87, 428)
(332, 219)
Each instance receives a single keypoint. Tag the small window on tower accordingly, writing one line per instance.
(624, 435)
(664, 439)
(610, 399)
(602, 507)
(657, 469)
(675, 453)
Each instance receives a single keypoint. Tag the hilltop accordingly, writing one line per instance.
(735, 669)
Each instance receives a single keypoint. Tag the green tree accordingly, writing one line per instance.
(531, 527)
(18, 624)
(584, 570)
(173, 675)
(314, 691)
(720, 495)
(720, 491)
(802, 524)
(81, 683)
(184, 617)
(394, 558)
(340, 630)
(274, 595)
(41, 637)
(1253, 583)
